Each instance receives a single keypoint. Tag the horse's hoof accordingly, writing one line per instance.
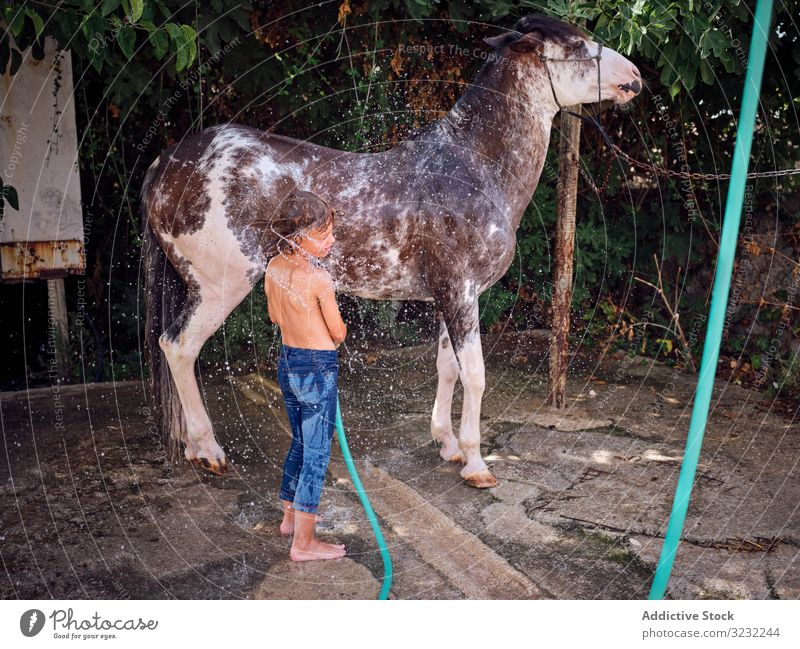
(457, 456)
(217, 466)
(481, 480)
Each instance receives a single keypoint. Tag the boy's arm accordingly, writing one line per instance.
(269, 303)
(326, 297)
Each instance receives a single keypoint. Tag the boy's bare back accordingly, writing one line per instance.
(302, 301)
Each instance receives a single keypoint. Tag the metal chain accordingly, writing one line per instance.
(601, 189)
(687, 175)
(692, 175)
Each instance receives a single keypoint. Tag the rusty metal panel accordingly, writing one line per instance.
(42, 259)
(39, 157)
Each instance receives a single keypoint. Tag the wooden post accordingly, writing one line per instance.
(58, 326)
(567, 195)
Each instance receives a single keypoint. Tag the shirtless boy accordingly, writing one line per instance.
(302, 301)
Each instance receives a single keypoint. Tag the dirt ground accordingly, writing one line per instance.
(92, 509)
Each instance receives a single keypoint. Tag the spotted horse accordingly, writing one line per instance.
(432, 218)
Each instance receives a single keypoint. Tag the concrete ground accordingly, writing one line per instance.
(91, 508)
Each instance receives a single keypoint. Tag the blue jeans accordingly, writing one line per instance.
(308, 379)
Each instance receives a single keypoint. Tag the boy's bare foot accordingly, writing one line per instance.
(317, 550)
(287, 524)
(305, 547)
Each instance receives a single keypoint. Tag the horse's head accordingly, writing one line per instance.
(569, 60)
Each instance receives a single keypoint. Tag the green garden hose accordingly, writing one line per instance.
(373, 520)
(719, 297)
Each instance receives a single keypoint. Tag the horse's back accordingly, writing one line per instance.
(191, 203)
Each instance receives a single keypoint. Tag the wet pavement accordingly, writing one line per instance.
(92, 509)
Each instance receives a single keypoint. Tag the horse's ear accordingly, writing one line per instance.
(501, 40)
(530, 42)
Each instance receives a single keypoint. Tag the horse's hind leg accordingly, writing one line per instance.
(441, 424)
(181, 342)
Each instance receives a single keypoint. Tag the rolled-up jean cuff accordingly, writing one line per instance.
(305, 508)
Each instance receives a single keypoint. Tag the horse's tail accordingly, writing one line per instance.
(165, 295)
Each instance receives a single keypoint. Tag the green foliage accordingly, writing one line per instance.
(120, 39)
(380, 321)
(494, 303)
(788, 378)
(245, 338)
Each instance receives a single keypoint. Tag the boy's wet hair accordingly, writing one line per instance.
(299, 213)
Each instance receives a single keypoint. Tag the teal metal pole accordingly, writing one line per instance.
(719, 298)
(373, 520)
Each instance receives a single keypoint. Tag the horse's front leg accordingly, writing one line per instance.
(441, 424)
(459, 308)
(473, 378)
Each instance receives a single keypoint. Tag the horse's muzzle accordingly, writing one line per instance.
(634, 86)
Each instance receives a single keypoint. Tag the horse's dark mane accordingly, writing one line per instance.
(550, 28)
